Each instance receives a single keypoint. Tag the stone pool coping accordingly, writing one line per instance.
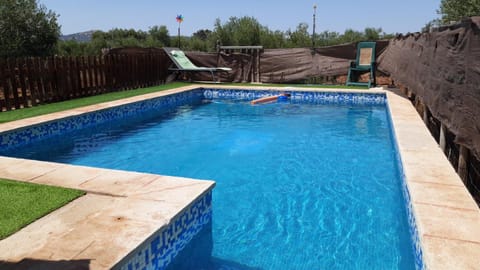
(122, 209)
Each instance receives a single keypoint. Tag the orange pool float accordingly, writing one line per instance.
(268, 99)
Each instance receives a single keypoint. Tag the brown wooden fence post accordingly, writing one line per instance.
(60, 78)
(74, 77)
(442, 139)
(12, 67)
(31, 80)
(39, 78)
(23, 80)
(463, 163)
(51, 79)
(5, 102)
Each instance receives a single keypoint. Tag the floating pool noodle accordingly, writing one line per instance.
(281, 97)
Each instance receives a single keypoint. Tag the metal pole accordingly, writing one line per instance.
(179, 19)
(179, 35)
(313, 33)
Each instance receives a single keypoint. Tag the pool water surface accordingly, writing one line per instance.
(299, 186)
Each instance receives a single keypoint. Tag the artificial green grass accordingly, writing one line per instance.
(80, 102)
(22, 203)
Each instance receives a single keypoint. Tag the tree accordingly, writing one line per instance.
(455, 10)
(244, 31)
(27, 29)
(202, 34)
(300, 37)
(327, 38)
(160, 36)
(372, 33)
(431, 24)
(351, 36)
(72, 48)
(272, 39)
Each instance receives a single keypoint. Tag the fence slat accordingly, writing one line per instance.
(30, 74)
(60, 78)
(68, 78)
(4, 100)
(22, 77)
(39, 72)
(99, 70)
(52, 85)
(11, 64)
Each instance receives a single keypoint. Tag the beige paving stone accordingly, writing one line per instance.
(422, 167)
(37, 235)
(119, 183)
(448, 254)
(69, 176)
(441, 195)
(171, 189)
(99, 229)
(413, 140)
(446, 222)
(23, 169)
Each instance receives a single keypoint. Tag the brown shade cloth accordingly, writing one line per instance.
(443, 68)
(134, 50)
(241, 65)
(283, 65)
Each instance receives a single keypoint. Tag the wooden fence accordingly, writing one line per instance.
(26, 82)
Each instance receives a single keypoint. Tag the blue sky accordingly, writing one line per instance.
(337, 15)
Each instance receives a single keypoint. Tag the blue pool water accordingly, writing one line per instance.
(299, 186)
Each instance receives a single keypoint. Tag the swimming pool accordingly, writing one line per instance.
(308, 184)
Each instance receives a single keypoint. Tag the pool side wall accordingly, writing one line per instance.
(158, 251)
(299, 96)
(417, 246)
(23, 136)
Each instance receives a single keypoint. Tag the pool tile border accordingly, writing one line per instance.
(299, 96)
(429, 181)
(160, 249)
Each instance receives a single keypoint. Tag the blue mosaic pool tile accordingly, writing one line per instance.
(300, 96)
(417, 247)
(160, 249)
(23, 136)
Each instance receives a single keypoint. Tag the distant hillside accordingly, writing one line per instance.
(80, 37)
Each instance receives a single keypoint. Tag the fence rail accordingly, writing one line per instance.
(27, 82)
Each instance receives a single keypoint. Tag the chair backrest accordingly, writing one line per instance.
(365, 54)
(180, 59)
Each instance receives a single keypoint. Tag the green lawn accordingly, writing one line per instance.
(80, 102)
(22, 203)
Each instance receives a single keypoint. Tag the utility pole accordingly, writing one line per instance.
(313, 32)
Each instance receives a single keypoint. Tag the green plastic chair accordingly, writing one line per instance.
(365, 62)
